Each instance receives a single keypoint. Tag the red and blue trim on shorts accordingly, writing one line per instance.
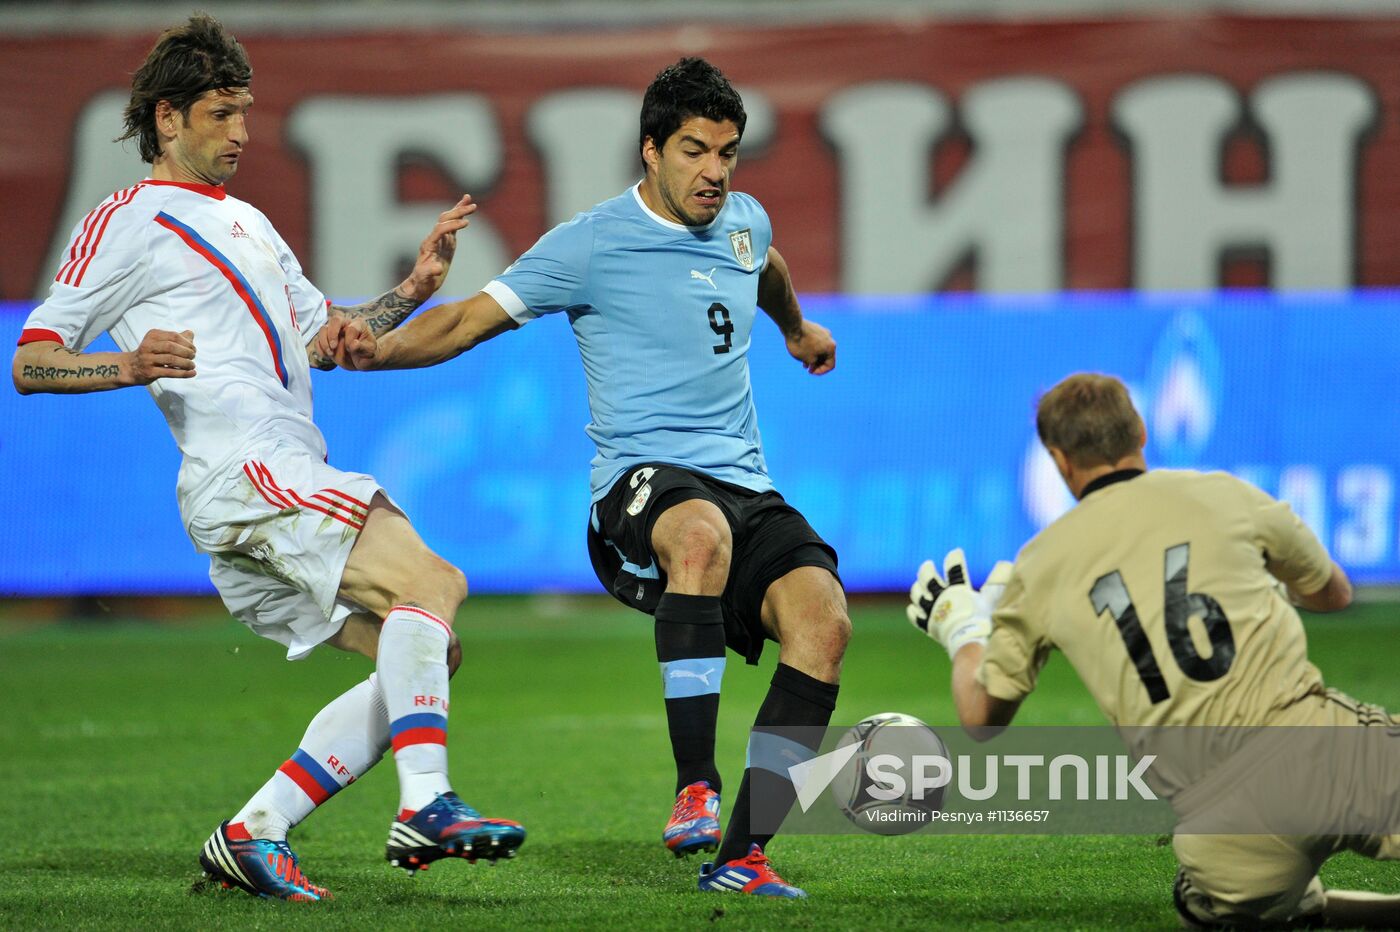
(334, 503)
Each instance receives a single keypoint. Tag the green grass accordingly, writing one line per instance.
(123, 744)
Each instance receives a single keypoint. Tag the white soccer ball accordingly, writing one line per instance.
(877, 789)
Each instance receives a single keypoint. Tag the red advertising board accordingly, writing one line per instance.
(892, 156)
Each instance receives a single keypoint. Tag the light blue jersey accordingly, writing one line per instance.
(662, 313)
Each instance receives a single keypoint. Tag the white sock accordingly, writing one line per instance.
(412, 671)
(343, 741)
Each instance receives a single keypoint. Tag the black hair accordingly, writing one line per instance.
(692, 87)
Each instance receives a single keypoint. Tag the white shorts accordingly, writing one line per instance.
(278, 532)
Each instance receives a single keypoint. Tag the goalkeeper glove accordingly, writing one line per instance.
(948, 609)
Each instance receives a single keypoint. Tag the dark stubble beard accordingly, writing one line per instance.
(668, 196)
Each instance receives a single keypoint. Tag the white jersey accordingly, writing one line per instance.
(170, 256)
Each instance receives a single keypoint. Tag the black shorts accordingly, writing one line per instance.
(770, 539)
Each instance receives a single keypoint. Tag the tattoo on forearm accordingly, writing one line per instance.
(382, 314)
(60, 373)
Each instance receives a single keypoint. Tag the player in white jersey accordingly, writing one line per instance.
(301, 552)
(662, 286)
(1163, 590)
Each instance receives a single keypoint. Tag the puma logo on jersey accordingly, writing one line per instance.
(701, 276)
(237, 232)
(691, 674)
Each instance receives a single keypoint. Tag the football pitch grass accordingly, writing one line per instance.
(125, 743)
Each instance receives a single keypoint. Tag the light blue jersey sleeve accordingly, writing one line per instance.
(762, 236)
(551, 277)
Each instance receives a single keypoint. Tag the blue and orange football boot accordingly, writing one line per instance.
(694, 824)
(261, 867)
(749, 874)
(449, 828)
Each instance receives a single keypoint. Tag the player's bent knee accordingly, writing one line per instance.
(702, 545)
(436, 586)
(823, 631)
(830, 634)
(455, 582)
(840, 633)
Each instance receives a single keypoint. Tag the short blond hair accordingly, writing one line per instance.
(1090, 418)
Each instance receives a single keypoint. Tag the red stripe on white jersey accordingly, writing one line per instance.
(83, 234)
(86, 242)
(82, 267)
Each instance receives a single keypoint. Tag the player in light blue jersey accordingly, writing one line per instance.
(661, 285)
(663, 314)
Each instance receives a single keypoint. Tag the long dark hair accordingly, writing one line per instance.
(185, 62)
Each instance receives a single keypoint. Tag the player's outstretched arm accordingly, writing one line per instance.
(1353, 909)
(46, 366)
(809, 343)
(946, 608)
(393, 307)
(1332, 597)
(437, 335)
(981, 714)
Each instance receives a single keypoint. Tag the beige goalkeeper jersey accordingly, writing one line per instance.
(1158, 588)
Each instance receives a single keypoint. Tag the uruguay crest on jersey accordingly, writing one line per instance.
(663, 315)
(743, 248)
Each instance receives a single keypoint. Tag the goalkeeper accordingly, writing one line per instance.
(1166, 592)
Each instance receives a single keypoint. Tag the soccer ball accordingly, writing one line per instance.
(876, 789)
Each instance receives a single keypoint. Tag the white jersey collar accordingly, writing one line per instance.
(671, 224)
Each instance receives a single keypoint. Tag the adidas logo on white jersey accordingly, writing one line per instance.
(238, 231)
